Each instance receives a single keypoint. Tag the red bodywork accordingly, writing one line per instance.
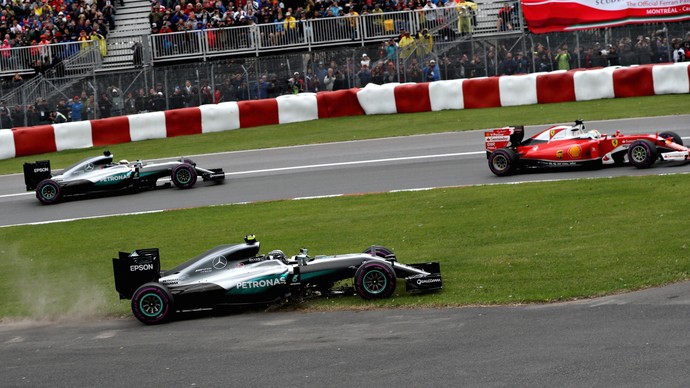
(563, 145)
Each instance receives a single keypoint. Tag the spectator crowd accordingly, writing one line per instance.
(406, 57)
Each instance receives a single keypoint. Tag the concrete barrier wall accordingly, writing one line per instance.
(538, 88)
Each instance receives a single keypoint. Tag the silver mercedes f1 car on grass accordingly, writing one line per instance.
(238, 275)
(99, 174)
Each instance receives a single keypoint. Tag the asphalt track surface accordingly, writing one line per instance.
(403, 163)
(633, 340)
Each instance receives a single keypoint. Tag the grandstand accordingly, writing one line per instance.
(142, 65)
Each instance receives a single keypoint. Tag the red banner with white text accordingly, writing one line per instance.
(568, 15)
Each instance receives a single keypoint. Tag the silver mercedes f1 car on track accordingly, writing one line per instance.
(238, 275)
(100, 174)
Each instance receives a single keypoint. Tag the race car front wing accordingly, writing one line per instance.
(429, 280)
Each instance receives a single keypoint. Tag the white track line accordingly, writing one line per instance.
(323, 165)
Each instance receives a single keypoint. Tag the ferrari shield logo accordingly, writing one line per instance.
(614, 143)
(552, 133)
(559, 154)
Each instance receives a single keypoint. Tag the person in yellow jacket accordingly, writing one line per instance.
(84, 39)
(102, 46)
(406, 44)
(466, 9)
(425, 43)
(290, 26)
(353, 20)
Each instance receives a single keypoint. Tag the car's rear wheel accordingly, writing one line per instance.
(673, 136)
(374, 280)
(48, 192)
(642, 153)
(152, 303)
(183, 176)
(503, 162)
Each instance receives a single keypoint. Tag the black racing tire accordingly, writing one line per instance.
(48, 192)
(152, 303)
(374, 280)
(503, 162)
(379, 251)
(673, 136)
(642, 153)
(183, 176)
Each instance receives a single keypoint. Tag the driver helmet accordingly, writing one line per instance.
(277, 255)
(124, 161)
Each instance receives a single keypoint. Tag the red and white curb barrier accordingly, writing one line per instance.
(486, 92)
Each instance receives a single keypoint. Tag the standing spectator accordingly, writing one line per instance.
(391, 49)
(262, 87)
(508, 66)
(102, 46)
(5, 115)
(431, 72)
(522, 64)
(339, 82)
(414, 72)
(321, 72)
(130, 104)
(353, 20)
(678, 51)
(104, 106)
(407, 45)
(365, 60)
(505, 18)
(31, 116)
(76, 107)
(141, 102)
(465, 11)
(91, 108)
(43, 110)
(329, 79)
(612, 57)
(643, 51)
(363, 76)
(425, 43)
(293, 86)
(17, 116)
(429, 10)
(116, 100)
(377, 74)
(563, 59)
(62, 107)
(177, 99)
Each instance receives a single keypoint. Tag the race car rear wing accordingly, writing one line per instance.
(131, 270)
(35, 172)
(503, 137)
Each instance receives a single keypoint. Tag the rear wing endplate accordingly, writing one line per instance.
(35, 172)
(131, 270)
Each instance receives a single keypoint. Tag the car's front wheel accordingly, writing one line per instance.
(48, 192)
(183, 176)
(503, 162)
(374, 280)
(152, 303)
(642, 153)
(377, 250)
(673, 136)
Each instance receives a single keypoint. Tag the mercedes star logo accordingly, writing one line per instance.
(220, 262)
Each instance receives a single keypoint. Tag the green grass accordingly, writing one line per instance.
(528, 243)
(366, 127)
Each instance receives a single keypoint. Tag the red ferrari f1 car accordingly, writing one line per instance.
(564, 146)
